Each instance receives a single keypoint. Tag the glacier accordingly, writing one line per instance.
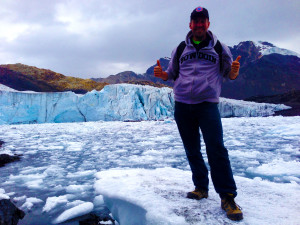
(116, 102)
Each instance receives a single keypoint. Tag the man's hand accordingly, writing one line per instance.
(235, 68)
(158, 72)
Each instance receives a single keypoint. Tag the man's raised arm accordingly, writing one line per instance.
(235, 68)
(158, 72)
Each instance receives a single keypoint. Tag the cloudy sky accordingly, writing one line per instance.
(97, 38)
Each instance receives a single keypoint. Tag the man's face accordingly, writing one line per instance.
(199, 27)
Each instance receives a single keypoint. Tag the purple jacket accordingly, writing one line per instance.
(199, 72)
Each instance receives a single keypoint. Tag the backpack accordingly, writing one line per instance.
(218, 48)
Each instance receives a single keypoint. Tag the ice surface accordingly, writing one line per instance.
(119, 102)
(264, 154)
(162, 195)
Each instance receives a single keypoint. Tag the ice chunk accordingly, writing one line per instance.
(79, 174)
(3, 195)
(98, 200)
(74, 188)
(76, 211)
(30, 202)
(52, 202)
(32, 181)
(277, 167)
(21, 198)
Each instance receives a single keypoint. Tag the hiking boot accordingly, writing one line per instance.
(197, 194)
(232, 209)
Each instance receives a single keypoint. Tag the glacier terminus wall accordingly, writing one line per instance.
(118, 102)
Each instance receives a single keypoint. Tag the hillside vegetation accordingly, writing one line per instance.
(44, 77)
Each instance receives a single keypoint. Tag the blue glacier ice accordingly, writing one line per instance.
(118, 102)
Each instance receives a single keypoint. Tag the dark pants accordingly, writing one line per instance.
(189, 117)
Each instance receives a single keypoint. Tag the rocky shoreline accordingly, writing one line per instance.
(9, 213)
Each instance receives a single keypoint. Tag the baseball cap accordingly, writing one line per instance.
(199, 12)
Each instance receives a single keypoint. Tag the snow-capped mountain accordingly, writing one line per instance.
(265, 70)
(266, 48)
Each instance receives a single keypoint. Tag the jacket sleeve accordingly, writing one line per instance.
(172, 67)
(227, 60)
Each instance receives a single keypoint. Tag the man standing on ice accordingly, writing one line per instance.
(198, 66)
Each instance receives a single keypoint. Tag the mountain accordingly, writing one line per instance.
(21, 82)
(122, 77)
(22, 77)
(133, 78)
(265, 70)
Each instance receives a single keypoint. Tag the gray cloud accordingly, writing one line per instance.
(96, 38)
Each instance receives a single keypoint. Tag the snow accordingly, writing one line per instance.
(119, 102)
(162, 192)
(266, 49)
(140, 168)
(5, 88)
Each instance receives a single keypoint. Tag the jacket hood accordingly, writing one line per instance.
(211, 44)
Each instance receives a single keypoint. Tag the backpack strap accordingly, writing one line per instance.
(219, 49)
(179, 52)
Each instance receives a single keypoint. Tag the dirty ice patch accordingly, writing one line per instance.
(158, 196)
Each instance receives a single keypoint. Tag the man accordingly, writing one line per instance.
(198, 78)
